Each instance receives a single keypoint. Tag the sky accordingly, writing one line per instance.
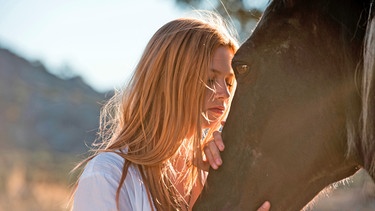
(101, 41)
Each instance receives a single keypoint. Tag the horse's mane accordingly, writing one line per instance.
(368, 95)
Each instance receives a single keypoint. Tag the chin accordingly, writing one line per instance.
(209, 124)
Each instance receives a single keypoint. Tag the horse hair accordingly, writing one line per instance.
(368, 97)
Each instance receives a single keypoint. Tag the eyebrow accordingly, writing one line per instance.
(217, 72)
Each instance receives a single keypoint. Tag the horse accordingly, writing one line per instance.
(303, 114)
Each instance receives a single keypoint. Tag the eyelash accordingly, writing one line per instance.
(211, 81)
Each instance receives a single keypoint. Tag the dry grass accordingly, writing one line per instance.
(35, 181)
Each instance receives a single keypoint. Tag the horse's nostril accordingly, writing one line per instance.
(242, 68)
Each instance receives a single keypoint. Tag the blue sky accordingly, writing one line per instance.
(100, 40)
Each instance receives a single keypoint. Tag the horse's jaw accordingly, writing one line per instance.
(289, 191)
(286, 191)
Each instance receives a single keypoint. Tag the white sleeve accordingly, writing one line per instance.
(98, 192)
(98, 184)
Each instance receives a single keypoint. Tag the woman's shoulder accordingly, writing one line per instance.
(105, 163)
(100, 180)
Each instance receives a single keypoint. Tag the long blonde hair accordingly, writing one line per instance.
(163, 103)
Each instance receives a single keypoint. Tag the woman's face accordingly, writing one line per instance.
(220, 80)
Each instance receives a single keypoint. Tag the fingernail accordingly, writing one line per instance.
(221, 147)
(214, 166)
(266, 205)
(219, 161)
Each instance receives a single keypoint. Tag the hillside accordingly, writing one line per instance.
(39, 111)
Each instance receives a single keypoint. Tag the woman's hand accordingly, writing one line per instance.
(212, 151)
(265, 206)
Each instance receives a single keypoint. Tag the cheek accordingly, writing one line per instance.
(206, 103)
(209, 97)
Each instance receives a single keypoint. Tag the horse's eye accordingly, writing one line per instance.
(242, 68)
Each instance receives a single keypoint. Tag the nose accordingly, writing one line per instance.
(222, 91)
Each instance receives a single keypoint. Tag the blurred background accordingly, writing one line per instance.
(60, 60)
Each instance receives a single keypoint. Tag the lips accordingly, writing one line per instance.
(217, 110)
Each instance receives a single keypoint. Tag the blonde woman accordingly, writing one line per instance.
(151, 154)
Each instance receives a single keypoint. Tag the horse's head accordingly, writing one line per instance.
(293, 126)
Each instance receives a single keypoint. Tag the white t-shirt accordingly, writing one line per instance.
(98, 184)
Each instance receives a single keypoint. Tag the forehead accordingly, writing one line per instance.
(221, 60)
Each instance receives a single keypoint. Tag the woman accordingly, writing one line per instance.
(151, 154)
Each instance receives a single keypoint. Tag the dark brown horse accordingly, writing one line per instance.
(303, 113)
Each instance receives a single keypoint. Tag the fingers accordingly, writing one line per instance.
(265, 206)
(218, 141)
(212, 150)
(212, 155)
